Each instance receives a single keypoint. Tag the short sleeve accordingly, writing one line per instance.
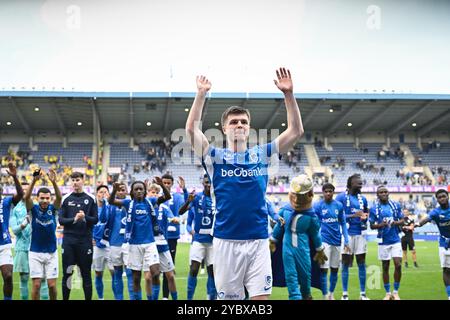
(126, 203)
(317, 209)
(153, 201)
(372, 215)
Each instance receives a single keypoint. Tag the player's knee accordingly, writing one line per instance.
(36, 285)
(195, 267)
(170, 276)
(155, 271)
(7, 276)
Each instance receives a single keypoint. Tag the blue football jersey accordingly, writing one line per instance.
(238, 188)
(386, 212)
(99, 228)
(175, 203)
(331, 217)
(141, 219)
(202, 215)
(352, 204)
(5, 212)
(118, 218)
(43, 229)
(163, 214)
(442, 219)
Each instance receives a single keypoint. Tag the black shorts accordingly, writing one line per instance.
(408, 242)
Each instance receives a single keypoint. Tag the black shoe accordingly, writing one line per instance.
(416, 265)
(406, 264)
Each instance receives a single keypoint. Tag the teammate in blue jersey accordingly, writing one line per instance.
(6, 259)
(239, 183)
(273, 215)
(331, 216)
(201, 215)
(20, 226)
(386, 216)
(141, 219)
(101, 255)
(173, 229)
(114, 237)
(441, 216)
(356, 214)
(298, 222)
(167, 267)
(43, 257)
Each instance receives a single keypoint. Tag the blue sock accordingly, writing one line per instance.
(24, 286)
(345, 278)
(448, 291)
(137, 295)
(333, 280)
(7, 298)
(362, 276)
(211, 288)
(174, 295)
(99, 286)
(191, 284)
(44, 290)
(155, 290)
(118, 283)
(149, 297)
(323, 282)
(387, 287)
(396, 286)
(129, 274)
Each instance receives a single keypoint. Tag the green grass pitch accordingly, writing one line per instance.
(424, 283)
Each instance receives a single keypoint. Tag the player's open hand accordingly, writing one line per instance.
(191, 196)
(51, 175)
(284, 82)
(158, 181)
(181, 182)
(320, 257)
(12, 170)
(203, 84)
(116, 186)
(347, 249)
(175, 220)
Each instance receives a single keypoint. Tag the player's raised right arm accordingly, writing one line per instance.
(112, 197)
(194, 132)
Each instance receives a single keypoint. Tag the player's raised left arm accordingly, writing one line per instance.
(12, 171)
(294, 130)
(52, 177)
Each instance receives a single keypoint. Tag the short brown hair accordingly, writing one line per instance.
(234, 110)
(77, 174)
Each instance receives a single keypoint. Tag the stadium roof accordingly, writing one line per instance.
(391, 113)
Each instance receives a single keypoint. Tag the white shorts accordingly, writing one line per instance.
(119, 255)
(101, 259)
(333, 254)
(43, 265)
(142, 256)
(444, 256)
(166, 262)
(201, 251)
(6, 256)
(389, 251)
(239, 263)
(357, 244)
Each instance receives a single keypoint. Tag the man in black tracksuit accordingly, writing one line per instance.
(78, 215)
